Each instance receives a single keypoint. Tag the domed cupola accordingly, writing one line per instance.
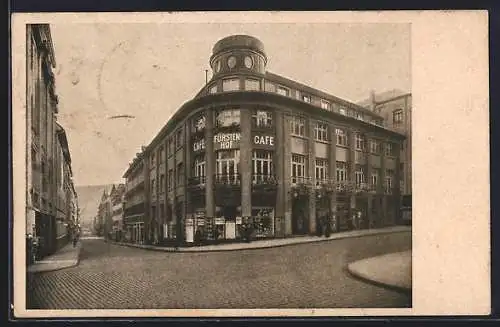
(238, 54)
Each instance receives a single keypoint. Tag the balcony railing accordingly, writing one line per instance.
(259, 179)
(227, 179)
(197, 181)
(301, 180)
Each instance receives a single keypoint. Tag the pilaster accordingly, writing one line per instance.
(209, 164)
(311, 166)
(246, 163)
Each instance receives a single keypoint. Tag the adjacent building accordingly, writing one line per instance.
(50, 191)
(135, 199)
(257, 148)
(117, 196)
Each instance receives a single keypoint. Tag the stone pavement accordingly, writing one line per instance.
(67, 256)
(260, 244)
(391, 270)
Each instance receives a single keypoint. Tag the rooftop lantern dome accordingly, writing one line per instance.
(238, 53)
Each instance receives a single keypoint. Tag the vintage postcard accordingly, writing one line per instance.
(250, 164)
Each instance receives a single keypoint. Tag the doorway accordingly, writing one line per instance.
(300, 221)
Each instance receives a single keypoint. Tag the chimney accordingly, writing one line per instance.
(372, 100)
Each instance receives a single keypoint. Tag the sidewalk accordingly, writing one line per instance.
(391, 270)
(261, 244)
(68, 256)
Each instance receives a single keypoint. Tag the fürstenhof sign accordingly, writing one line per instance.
(224, 141)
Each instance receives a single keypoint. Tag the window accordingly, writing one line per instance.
(388, 180)
(179, 139)
(283, 91)
(397, 116)
(199, 167)
(325, 104)
(359, 175)
(170, 179)
(298, 126)
(360, 142)
(270, 87)
(171, 149)
(228, 117)
(374, 146)
(227, 166)
(298, 168)
(162, 183)
(374, 179)
(153, 160)
(359, 116)
(252, 84)
(213, 89)
(321, 171)
(321, 132)
(161, 154)
(342, 110)
(230, 84)
(153, 185)
(262, 118)
(306, 98)
(262, 163)
(341, 137)
(389, 149)
(180, 173)
(341, 170)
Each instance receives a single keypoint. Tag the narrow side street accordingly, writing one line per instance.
(295, 276)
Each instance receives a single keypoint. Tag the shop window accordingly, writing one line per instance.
(298, 168)
(252, 84)
(321, 171)
(298, 126)
(228, 117)
(230, 84)
(262, 118)
(321, 132)
(263, 218)
(262, 166)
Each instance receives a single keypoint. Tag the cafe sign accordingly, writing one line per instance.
(263, 140)
(224, 141)
(199, 145)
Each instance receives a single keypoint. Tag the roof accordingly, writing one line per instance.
(238, 42)
(63, 140)
(303, 87)
(384, 96)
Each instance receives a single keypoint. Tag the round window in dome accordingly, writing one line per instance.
(231, 62)
(248, 62)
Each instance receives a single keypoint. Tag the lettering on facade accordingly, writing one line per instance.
(224, 141)
(263, 140)
(199, 145)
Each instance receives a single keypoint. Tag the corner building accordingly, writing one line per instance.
(255, 147)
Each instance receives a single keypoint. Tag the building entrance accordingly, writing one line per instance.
(300, 217)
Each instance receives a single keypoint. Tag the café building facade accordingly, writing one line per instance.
(254, 147)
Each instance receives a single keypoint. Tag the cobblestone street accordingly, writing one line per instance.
(296, 276)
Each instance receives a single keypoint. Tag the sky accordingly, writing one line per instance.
(149, 70)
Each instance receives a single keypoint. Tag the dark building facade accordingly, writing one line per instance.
(257, 149)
